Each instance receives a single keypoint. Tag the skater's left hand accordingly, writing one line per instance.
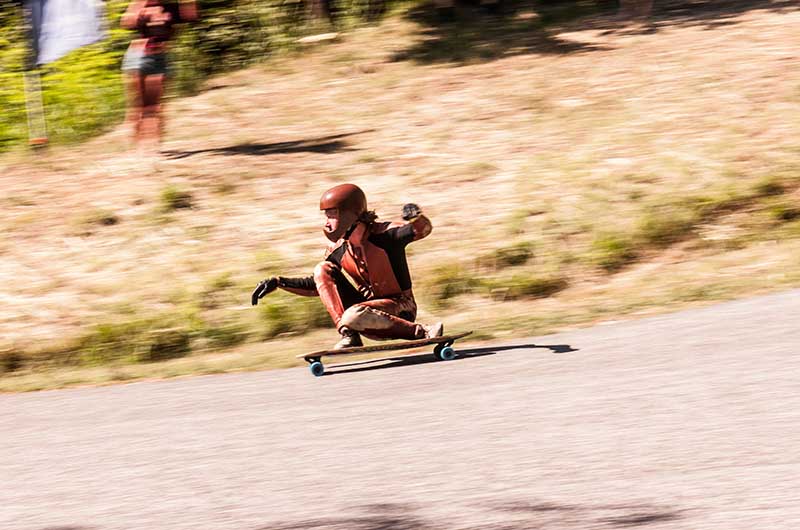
(410, 211)
(263, 288)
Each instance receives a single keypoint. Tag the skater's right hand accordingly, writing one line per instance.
(411, 211)
(263, 288)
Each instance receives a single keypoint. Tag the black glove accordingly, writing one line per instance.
(411, 211)
(263, 288)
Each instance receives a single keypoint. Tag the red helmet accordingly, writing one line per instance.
(351, 203)
(346, 198)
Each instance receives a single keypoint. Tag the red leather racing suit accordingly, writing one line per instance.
(364, 281)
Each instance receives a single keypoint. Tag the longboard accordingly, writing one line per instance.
(443, 351)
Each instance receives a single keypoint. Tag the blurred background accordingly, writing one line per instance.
(582, 161)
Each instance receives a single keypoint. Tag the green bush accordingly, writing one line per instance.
(218, 291)
(11, 361)
(510, 256)
(226, 335)
(86, 223)
(142, 340)
(12, 96)
(448, 282)
(284, 313)
(276, 318)
(784, 212)
(769, 187)
(524, 286)
(612, 252)
(163, 344)
(172, 198)
(82, 94)
(664, 226)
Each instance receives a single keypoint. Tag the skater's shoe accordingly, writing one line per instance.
(434, 330)
(350, 339)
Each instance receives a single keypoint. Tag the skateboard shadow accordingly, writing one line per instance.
(383, 363)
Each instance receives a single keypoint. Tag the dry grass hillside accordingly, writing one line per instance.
(575, 173)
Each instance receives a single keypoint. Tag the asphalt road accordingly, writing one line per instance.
(685, 421)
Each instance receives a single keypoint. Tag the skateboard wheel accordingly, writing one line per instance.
(317, 369)
(447, 353)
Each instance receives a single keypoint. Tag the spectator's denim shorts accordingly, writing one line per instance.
(136, 61)
(153, 64)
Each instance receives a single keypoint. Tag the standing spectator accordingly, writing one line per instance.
(145, 62)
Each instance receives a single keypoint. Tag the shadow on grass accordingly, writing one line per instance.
(708, 14)
(530, 27)
(619, 516)
(640, 519)
(325, 145)
(476, 37)
(522, 516)
(66, 528)
(428, 357)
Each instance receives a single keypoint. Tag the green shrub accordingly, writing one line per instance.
(268, 261)
(102, 218)
(448, 282)
(612, 252)
(664, 226)
(109, 342)
(12, 96)
(163, 344)
(218, 290)
(221, 336)
(141, 340)
(82, 94)
(10, 361)
(288, 313)
(172, 198)
(769, 187)
(224, 187)
(276, 317)
(524, 286)
(510, 256)
(698, 293)
(784, 212)
(312, 313)
(86, 223)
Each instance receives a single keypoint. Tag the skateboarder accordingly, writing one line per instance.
(378, 302)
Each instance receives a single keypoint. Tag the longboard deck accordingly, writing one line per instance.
(395, 345)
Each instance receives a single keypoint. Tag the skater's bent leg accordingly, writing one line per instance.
(384, 319)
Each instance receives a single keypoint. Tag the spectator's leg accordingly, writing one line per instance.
(133, 112)
(151, 108)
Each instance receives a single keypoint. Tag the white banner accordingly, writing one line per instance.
(60, 26)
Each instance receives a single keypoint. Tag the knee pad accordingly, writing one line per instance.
(354, 317)
(367, 319)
